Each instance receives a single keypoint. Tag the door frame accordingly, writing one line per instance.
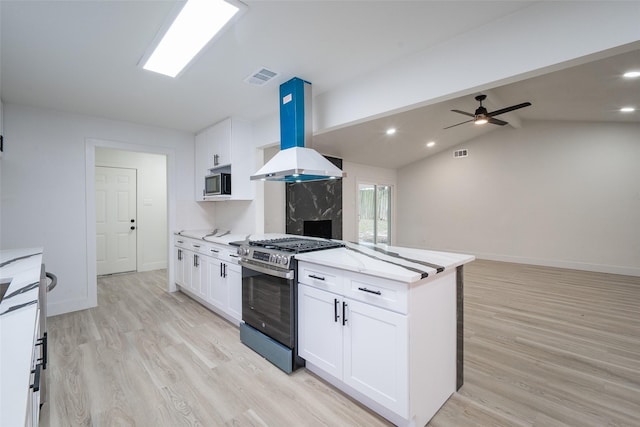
(90, 197)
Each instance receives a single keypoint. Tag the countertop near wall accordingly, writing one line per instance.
(18, 323)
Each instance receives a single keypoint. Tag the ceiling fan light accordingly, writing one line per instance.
(631, 74)
(480, 120)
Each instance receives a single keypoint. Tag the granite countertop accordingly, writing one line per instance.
(18, 317)
(391, 262)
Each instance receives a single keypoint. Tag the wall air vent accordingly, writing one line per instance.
(260, 77)
(461, 153)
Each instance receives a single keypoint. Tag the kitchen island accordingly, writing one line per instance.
(384, 325)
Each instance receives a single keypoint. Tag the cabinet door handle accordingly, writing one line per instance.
(344, 313)
(179, 254)
(43, 342)
(215, 251)
(195, 260)
(36, 378)
(224, 270)
(370, 291)
(180, 241)
(335, 310)
(196, 246)
(313, 276)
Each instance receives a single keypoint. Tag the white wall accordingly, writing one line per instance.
(43, 189)
(544, 37)
(562, 194)
(151, 202)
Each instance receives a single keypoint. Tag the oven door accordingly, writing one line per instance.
(268, 298)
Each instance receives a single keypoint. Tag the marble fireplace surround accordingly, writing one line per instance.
(311, 204)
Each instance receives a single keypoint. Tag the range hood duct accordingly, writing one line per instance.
(294, 162)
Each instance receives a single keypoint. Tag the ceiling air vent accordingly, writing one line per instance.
(260, 77)
(461, 153)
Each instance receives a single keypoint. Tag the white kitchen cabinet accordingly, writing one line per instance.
(362, 345)
(320, 329)
(179, 262)
(234, 283)
(389, 344)
(218, 293)
(376, 359)
(225, 289)
(230, 142)
(208, 273)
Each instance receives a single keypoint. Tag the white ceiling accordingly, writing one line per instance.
(82, 56)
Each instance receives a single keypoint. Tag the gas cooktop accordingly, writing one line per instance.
(296, 244)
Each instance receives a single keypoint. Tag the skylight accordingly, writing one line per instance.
(196, 24)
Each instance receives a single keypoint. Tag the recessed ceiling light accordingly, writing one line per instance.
(196, 24)
(627, 110)
(431, 144)
(391, 131)
(631, 74)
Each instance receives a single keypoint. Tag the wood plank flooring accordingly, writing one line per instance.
(543, 347)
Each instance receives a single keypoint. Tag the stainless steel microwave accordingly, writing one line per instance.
(217, 184)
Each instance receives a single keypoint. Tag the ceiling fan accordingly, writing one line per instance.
(482, 116)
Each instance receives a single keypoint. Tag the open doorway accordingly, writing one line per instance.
(152, 206)
(131, 211)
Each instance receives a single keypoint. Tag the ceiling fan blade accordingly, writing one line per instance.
(463, 112)
(497, 121)
(507, 109)
(458, 124)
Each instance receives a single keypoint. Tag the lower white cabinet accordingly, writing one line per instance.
(362, 345)
(234, 282)
(390, 345)
(215, 283)
(179, 262)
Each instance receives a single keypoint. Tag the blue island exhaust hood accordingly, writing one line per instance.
(294, 162)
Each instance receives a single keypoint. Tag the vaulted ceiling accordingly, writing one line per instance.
(82, 57)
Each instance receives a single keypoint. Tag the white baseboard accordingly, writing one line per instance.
(150, 266)
(573, 265)
(62, 307)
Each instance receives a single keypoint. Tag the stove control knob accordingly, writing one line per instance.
(285, 260)
(278, 259)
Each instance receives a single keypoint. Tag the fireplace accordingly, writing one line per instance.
(319, 228)
(315, 208)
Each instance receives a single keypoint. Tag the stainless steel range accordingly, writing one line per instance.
(269, 295)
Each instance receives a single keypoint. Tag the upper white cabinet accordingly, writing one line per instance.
(226, 147)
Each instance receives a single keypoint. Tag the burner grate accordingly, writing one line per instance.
(296, 244)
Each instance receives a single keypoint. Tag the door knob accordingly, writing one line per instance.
(133, 227)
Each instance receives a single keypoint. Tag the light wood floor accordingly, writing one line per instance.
(543, 347)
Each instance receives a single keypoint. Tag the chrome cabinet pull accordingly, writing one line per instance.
(313, 276)
(370, 291)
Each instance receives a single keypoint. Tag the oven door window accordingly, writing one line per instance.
(267, 305)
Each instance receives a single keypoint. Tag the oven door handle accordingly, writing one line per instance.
(284, 274)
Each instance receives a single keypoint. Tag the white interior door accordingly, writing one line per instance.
(116, 221)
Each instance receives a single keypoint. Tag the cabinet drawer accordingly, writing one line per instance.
(320, 277)
(181, 242)
(378, 292)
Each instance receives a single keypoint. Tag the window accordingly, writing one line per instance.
(374, 213)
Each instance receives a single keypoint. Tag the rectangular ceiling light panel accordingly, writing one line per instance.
(196, 24)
